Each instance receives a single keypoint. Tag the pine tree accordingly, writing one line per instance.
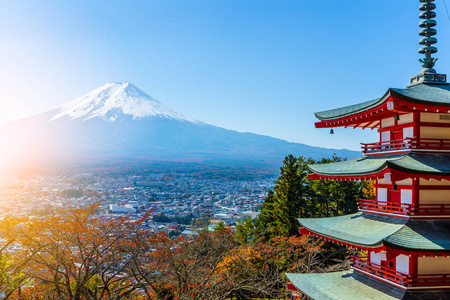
(289, 202)
(265, 224)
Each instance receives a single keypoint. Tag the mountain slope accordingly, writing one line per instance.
(120, 122)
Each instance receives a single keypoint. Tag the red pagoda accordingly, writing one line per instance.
(405, 231)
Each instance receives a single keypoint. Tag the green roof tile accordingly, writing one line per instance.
(344, 285)
(359, 229)
(421, 235)
(370, 230)
(432, 164)
(348, 110)
(421, 93)
(353, 285)
(425, 93)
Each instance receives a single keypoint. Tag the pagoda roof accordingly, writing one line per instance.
(374, 231)
(357, 229)
(344, 285)
(353, 285)
(430, 94)
(415, 163)
(419, 235)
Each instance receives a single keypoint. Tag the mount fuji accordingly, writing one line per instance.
(119, 122)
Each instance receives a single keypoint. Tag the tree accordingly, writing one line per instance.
(265, 224)
(369, 189)
(74, 255)
(332, 198)
(286, 202)
(12, 262)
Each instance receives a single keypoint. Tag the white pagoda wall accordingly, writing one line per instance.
(402, 264)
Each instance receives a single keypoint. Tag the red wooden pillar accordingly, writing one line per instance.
(416, 191)
(416, 125)
(413, 264)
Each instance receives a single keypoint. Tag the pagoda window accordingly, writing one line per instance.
(408, 132)
(433, 265)
(382, 194)
(406, 196)
(402, 264)
(385, 136)
(375, 257)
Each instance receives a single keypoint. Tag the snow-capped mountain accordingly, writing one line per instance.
(117, 100)
(119, 122)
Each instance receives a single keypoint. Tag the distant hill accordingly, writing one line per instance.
(119, 122)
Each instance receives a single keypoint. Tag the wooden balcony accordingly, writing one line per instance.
(362, 264)
(385, 207)
(417, 280)
(404, 209)
(408, 144)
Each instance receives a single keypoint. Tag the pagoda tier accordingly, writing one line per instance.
(432, 98)
(416, 119)
(407, 254)
(376, 233)
(413, 185)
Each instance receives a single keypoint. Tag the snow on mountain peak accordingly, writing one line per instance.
(115, 100)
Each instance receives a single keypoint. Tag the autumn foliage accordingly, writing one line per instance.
(71, 254)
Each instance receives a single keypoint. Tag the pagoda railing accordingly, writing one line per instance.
(431, 209)
(407, 144)
(386, 207)
(404, 208)
(419, 280)
(363, 264)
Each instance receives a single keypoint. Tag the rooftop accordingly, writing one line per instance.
(373, 231)
(416, 163)
(432, 94)
(353, 285)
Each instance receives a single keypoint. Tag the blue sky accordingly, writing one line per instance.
(251, 65)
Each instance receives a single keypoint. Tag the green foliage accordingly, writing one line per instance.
(294, 196)
(10, 275)
(289, 202)
(328, 198)
(220, 227)
(245, 231)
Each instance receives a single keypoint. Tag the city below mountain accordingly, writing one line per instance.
(118, 123)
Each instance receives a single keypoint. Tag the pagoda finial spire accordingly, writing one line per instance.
(427, 31)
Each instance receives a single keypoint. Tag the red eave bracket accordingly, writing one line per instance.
(316, 176)
(399, 175)
(391, 105)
